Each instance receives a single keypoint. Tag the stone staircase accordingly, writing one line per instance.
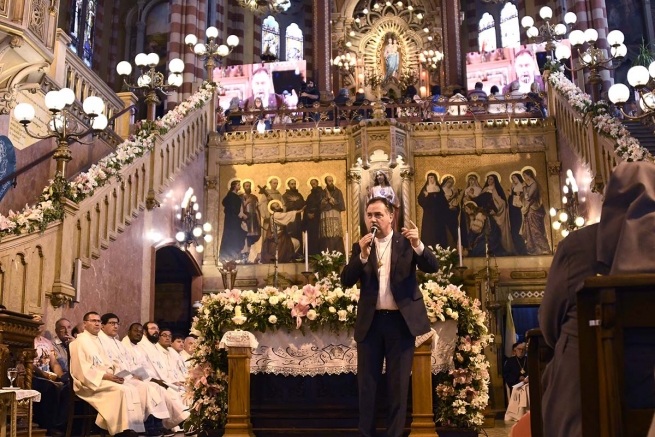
(643, 133)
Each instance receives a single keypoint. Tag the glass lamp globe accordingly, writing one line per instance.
(232, 40)
(24, 113)
(647, 102)
(198, 216)
(222, 50)
(207, 227)
(615, 37)
(200, 248)
(208, 238)
(619, 51)
(560, 29)
(546, 13)
(565, 189)
(527, 22)
(176, 65)
(586, 58)
(141, 60)
(197, 232)
(99, 122)
(570, 18)
(565, 233)
(576, 37)
(618, 93)
(56, 124)
(190, 40)
(365, 11)
(591, 35)
(143, 81)
(172, 79)
(579, 221)
(211, 32)
(637, 76)
(153, 59)
(123, 68)
(533, 32)
(93, 105)
(553, 212)
(67, 95)
(196, 207)
(562, 52)
(53, 101)
(557, 225)
(180, 236)
(651, 69)
(563, 217)
(194, 198)
(199, 49)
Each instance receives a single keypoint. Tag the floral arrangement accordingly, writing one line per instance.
(626, 146)
(408, 77)
(327, 305)
(327, 262)
(48, 207)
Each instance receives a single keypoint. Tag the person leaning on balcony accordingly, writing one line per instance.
(515, 94)
(494, 94)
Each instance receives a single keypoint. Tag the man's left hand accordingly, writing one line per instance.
(291, 100)
(412, 236)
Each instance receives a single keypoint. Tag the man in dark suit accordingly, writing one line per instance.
(390, 313)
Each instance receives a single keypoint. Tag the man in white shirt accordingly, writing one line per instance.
(175, 350)
(160, 411)
(118, 405)
(175, 363)
(189, 348)
(390, 311)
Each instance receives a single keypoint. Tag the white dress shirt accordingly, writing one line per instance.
(383, 251)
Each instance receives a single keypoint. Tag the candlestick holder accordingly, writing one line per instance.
(308, 276)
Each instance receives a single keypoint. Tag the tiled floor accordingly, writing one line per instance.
(501, 430)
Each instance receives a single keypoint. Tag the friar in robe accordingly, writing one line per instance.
(253, 219)
(119, 409)
(294, 201)
(331, 229)
(234, 237)
(157, 401)
(312, 217)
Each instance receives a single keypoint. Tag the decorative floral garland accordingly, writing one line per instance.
(626, 146)
(49, 209)
(327, 305)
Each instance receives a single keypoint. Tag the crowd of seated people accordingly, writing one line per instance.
(410, 105)
(136, 384)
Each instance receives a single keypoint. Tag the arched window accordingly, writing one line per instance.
(294, 41)
(487, 33)
(271, 36)
(510, 31)
(82, 28)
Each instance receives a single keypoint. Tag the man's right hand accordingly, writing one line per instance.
(365, 245)
(112, 378)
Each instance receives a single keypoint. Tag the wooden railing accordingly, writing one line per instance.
(37, 266)
(592, 149)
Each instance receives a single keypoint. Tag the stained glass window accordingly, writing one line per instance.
(486, 33)
(271, 36)
(82, 28)
(510, 31)
(294, 39)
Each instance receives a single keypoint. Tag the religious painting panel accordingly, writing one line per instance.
(499, 202)
(268, 208)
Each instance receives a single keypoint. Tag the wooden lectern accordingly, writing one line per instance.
(17, 333)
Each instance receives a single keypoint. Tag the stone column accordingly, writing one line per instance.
(212, 203)
(123, 123)
(322, 45)
(355, 182)
(238, 384)
(453, 61)
(408, 175)
(422, 414)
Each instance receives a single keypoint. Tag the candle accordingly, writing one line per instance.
(347, 247)
(237, 310)
(306, 251)
(459, 246)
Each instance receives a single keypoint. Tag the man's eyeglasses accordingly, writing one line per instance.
(165, 335)
(114, 323)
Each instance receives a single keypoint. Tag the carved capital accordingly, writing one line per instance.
(407, 174)
(554, 168)
(16, 41)
(211, 183)
(151, 200)
(60, 299)
(354, 176)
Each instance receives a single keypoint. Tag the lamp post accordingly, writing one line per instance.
(192, 232)
(568, 218)
(548, 32)
(638, 77)
(594, 58)
(211, 52)
(62, 125)
(150, 80)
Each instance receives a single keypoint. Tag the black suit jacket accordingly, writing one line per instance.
(404, 286)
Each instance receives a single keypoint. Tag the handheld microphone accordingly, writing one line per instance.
(374, 229)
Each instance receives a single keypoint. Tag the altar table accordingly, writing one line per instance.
(9, 401)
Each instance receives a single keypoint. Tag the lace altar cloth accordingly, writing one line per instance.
(24, 394)
(320, 353)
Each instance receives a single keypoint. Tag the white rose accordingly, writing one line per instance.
(311, 314)
(272, 320)
(455, 315)
(449, 312)
(350, 308)
(332, 310)
(273, 300)
(343, 314)
(339, 292)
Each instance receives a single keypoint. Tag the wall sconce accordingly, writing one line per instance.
(192, 232)
(568, 218)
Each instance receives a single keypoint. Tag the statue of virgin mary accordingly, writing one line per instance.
(391, 58)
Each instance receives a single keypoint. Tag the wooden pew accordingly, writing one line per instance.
(608, 308)
(539, 355)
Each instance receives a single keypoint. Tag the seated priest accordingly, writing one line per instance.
(189, 347)
(175, 351)
(160, 411)
(50, 380)
(95, 381)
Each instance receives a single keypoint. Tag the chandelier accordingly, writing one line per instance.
(192, 232)
(548, 32)
(430, 59)
(263, 7)
(568, 218)
(638, 77)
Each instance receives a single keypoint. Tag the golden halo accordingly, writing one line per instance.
(528, 167)
(243, 181)
(270, 211)
(310, 179)
(229, 183)
(326, 175)
(431, 171)
(292, 178)
(493, 173)
(472, 173)
(268, 181)
(470, 202)
(448, 175)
